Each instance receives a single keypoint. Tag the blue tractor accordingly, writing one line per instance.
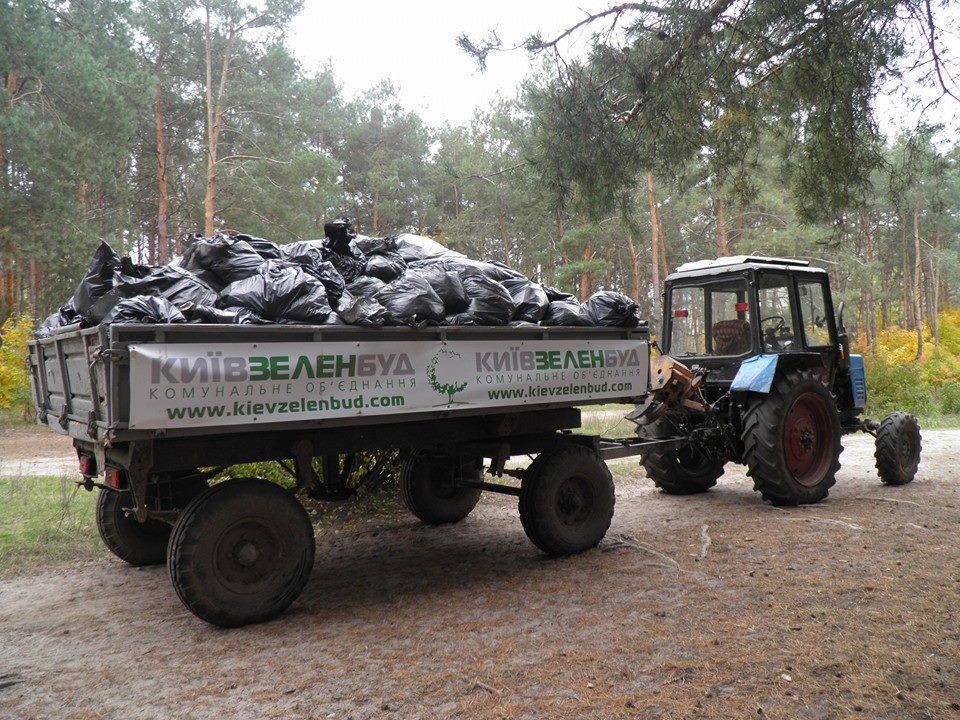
(756, 369)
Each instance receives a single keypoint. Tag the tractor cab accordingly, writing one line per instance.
(718, 313)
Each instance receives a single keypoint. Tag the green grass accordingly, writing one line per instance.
(45, 521)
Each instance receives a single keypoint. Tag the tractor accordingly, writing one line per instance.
(755, 368)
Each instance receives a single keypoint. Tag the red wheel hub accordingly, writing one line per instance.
(807, 444)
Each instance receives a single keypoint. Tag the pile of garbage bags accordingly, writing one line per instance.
(343, 279)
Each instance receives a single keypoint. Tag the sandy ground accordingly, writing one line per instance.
(714, 606)
(33, 451)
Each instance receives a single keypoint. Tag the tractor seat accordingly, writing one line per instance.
(731, 337)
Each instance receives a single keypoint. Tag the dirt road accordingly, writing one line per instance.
(715, 606)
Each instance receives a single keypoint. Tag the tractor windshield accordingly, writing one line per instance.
(712, 319)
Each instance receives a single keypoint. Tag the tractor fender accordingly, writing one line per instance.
(756, 373)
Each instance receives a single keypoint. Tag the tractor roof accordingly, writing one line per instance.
(735, 263)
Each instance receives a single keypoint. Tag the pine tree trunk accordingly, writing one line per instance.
(720, 221)
(906, 313)
(917, 282)
(502, 229)
(214, 119)
(935, 290)
(163, 203)
(634, 265)
(655, 253)
(376, 212)
(870, 309)
(586, 278)
(34, 288)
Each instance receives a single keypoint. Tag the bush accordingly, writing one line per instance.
(15, 395)
(896, 381)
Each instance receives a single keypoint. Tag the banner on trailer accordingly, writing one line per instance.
(178, 385)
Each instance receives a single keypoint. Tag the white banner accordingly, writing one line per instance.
(188, 385)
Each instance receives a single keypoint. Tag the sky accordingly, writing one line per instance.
(412, 43)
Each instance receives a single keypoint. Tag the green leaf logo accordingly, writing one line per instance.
(443, 382)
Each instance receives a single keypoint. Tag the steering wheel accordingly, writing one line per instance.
(780, 325)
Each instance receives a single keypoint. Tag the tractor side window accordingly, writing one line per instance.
(776, 314)
(688, 334)
(813, 310)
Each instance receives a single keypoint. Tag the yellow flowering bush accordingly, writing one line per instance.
(14, 378)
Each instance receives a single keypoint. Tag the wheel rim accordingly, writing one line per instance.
(247, 555)
(574, 501)
(693, 462)
(907, 448)
(807, 442)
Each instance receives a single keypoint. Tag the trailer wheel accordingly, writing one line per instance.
(566, 500)
(898, 448)
(136, 543)
(241, 552)
(430, 489)
(677, 470)
(791, 439)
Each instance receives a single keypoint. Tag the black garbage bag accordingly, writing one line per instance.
(97, 281)
(375, 245)
(265, 249)
(228, 257)
(447, 285)
(416, 247)
(564, 312)
(130, 268)
(363, 311)
(554, 294)
(332, 281)
(171, 282)
(611, 309)
(226, 316)
(387, 266)
(305, 252)
(530, 299)
(490, 302)
(365, 286)
(496, 270)
(66, 315)
(147, 309)
(279, 292)
(340, 235)
(410, 300)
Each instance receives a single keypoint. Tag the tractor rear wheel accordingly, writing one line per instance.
(682, 470)
(791, 440)
(898, 448)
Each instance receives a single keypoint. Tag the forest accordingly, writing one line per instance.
(689, 130)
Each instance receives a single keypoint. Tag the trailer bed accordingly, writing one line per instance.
(121, 383)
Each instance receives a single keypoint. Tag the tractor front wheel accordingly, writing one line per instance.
(683, 470)
(791, 440)
(898, 448)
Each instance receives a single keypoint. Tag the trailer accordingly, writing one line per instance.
(157, 411)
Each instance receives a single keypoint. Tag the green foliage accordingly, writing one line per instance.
(15, 395)
(895, 381)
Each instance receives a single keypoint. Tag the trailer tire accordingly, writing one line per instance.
(898, 448)
(677, 470)
(430, 491)
(566, 500)
(241, 552)
(136, 543)
(791, 440)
